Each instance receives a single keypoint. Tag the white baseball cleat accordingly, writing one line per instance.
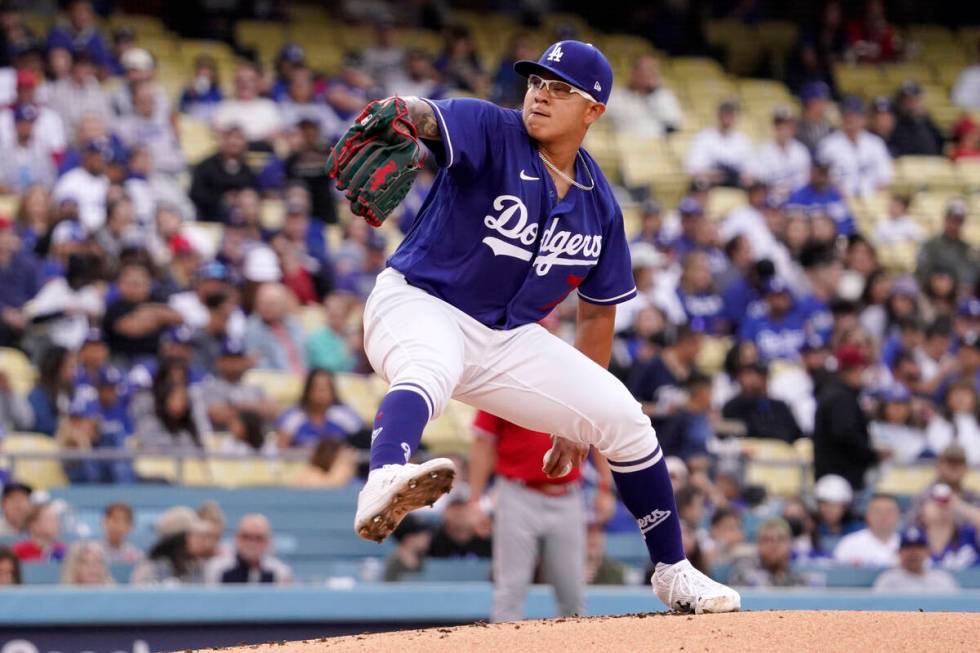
(685, 589)
(393, 491)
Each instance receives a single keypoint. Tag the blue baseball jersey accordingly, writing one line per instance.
(492, 237)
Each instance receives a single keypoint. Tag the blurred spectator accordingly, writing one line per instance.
(140, 72)
(19, 282)
(219, 175)
(328, 347)
(876, 545)
(313, 419)
(418, 78)
(600, 569)
(841, 442)
(778, 331)
(203, 95)
(53, 390)
(272, 334)
(79, 94)
(87, 185)
(460, 64)
(331, 465)
(772, 566)
(43, 530)
(15, 506)
(725, 536)
(248, 435)
(645, 108)
(956, 421)
(814, 126)
(687, 430)
(966, 140)
(898, 227)
(872, 39)
(821, 198)
(460, 535)
(784, 162)
(215, 519)
(882, 121)
(948, 250)
(302, 249)
(251, 561)
(951, 526)
(80, 430)
(28, 162)
(175, 557)
(834, 519)
(352, 89)
(140, 127)
(49, 129)
(211, 291)
(86, 564)
(259, 118)
(763, 417)
(134, 322)
(720, 154)
(966, 90)
(859, 161)
(509, 87)
(117, 524)
(656, 382)
(895, 429)
(80, 33)
(749, 221)
(15, 411)
(803, 528)
(413, 538)
(291, 58)
(912, 574)
(172, 424)
(306, 165)
(224, 391)
(697, 295)
(915, 132)
(9, 568)
(385, 56)
(302, 103)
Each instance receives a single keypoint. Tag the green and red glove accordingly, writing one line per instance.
(377, 160)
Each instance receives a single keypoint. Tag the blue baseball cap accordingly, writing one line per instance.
(180, 335)
(690, 206)
(913, 536)
(94, 334)
(25, 112)
(213, 270)
(815, 91)
(109, 375)
(580, 64)
(776, 285)
(83, 405)
(292, 52)
(896, 394)
(232, 347)
(852, 104)
(969, 307)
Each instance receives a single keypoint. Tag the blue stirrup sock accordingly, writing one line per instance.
(398, 426)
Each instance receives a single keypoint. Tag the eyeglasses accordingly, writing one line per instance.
(556, 88)
(253, 537)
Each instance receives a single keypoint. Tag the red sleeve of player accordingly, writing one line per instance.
(486, 424)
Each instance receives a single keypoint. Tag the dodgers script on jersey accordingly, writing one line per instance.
(494, 240)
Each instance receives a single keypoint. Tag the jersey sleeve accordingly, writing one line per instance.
(486, 425)
(611, 280)
(468, 128)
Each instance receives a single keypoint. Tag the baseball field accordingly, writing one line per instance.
(796, 631)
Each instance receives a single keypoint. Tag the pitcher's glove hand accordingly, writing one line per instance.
(377, 159)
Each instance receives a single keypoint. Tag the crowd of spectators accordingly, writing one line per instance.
(144, 332)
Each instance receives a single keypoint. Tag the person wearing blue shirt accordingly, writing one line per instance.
(80, 33)
(19, 282)
(697, 295)
(518, 218)
(779, 333)
(820, 197)
(319, 415)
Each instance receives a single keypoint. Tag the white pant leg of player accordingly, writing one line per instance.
(563, 551)
(516, 539)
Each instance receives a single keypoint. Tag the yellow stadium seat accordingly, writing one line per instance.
(972, 480)
(711, 355)
(196, 138)
(900, 72)
(273, 213)
(284, 388)
(230, 473)
(968, 171)
(906, 480)
(9, 204)
(696, 68)
(41, 473)
(311, 318)
(143, 24)
(20, 373)
(161, 468)
(804, 449)
(933, 172)
(362, 393)
(768, 450)
(723, 200)
(783, 481)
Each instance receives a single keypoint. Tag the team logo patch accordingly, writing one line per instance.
(648, 522)
(555, 54)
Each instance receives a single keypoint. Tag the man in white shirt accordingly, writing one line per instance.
(49, 130)
(27, 161)
(966, 91)
(859, 161)
(898, 227)
(912, 573)
(258, 117)
(721, 154)
(301, 103)
(645, 108)
(87, 184)
(79, 93)
(783, 162)
(877, 544)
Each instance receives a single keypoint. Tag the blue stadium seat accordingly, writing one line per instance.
(466, 569)
(841, 575)
(40, 573)
(628, 548)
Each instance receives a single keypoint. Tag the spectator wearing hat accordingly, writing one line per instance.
(49, 129)
(820, 197)
(841, 442)
(721, 154)
(656, 382)
(224, 392)
(88, 184)
(15, 506)
(259, 118)
(686, 430)
(27, 162)
(360, 280)
(763, 416)
(898, 227)
(956, 421)
(860, 165)
(646, 107)
(211, 298)
(19, 283)
(813, 125)
(772, 566)
(876, 545)
(383, 59)
(80, 32)
(912, 574)
(140, 127)
(177, 417)
(79, 430)
(783, 162)
(200, 98)
(948, 250)
(881, 120)
(140, 71)
(43, 532)
(176, 556)
(951, 526)
(301, 102)
(79, 93)
(896, 428)
(749, 221)
(915, 132)
(354, 87)
(417, 77)
(222, 173)
(778, 332)
(272, 333)
(251, 561)
(134, 322)
(833, 518)
(697, 295)
(306, 165)
(412, 538)
(291, 57)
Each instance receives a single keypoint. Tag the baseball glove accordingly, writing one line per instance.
(377, 160)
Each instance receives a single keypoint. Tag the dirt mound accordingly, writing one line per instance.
(732, 633)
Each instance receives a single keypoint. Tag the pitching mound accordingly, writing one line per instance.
(732, 633)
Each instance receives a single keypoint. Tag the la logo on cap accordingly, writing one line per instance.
(556, 53)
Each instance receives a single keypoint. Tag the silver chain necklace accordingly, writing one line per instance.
(566, 177)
